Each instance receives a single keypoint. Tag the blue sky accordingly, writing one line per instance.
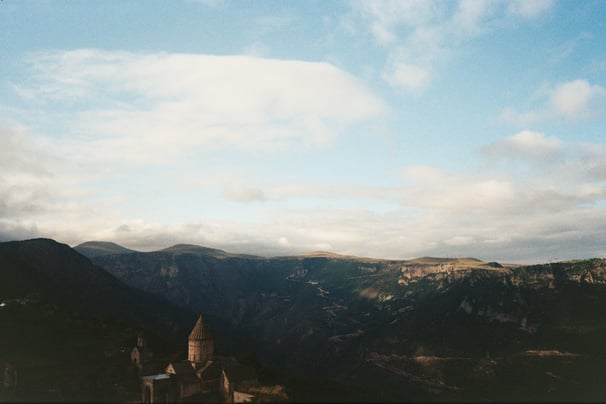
(391, 129)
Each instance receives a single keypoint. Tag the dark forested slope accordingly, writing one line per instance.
(67, 325)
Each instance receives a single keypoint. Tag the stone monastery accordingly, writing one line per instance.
(203, 377)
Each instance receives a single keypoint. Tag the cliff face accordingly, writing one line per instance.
(327, 314)
(254, 292)
(367, 329)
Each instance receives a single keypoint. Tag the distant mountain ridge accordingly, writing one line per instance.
(97, 248)
(58, 273)
(92, 249)
(203, 251)
(398, 328)
(366, 329)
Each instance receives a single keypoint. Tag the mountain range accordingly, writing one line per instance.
(330, 327)
(397, 329)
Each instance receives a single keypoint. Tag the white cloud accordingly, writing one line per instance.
(419, 34)
(531, 195)
(551, 209)
(126, 108)
(529, 8)
(387, 16)
(576, 99)
(439, 190)
(495, 212)
(41, 191)
(521, 119)
(459, 241)
(524, 145)
(157, 107)
(329, 191)
(407, 76)
(572, 100)
(26, 181)
(470, 15)
(592, 161)
(140, 108)
(243, 194)
(534, 235)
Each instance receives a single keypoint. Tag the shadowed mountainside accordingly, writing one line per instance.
(67, 325)
(96, 248)
(399, 329)
(57, 273)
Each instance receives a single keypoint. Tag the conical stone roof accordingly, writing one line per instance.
(200, 330)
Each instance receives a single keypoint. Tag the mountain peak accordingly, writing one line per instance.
(204, 251)
(327, 254)
(194, 249)
(98, 248)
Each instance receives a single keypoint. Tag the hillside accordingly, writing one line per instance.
(57, 273)
(193, 249)
(68, 325)
(96, 248)
(401, 329)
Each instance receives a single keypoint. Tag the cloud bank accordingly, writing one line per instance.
(572, 101)
(531, 198)
(144, 131)
(419, 35)
(162, 106)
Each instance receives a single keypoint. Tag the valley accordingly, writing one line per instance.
(328, 327)
(406, 328)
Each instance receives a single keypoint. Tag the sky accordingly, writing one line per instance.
(389, 129)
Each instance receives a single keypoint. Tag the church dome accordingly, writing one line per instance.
(200, 330)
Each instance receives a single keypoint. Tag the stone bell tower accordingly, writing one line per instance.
(201, 345)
